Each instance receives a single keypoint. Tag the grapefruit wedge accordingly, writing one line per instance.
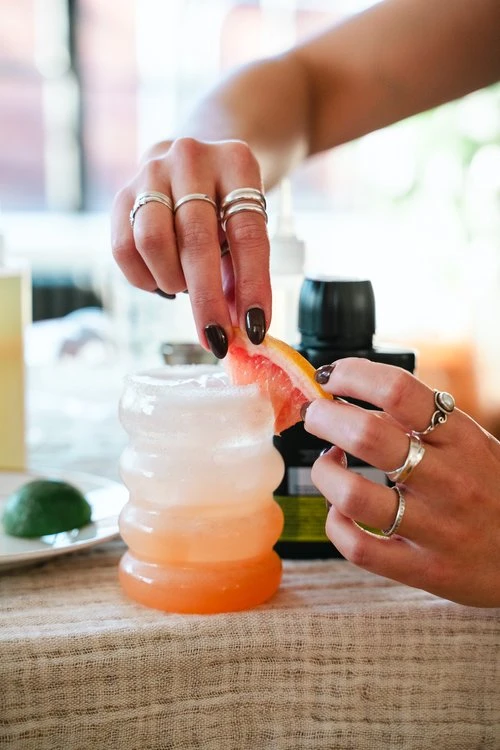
(282, 374)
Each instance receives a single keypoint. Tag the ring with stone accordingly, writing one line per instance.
(444, 403)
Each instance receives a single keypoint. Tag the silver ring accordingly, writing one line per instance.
(399, 513)
(445, 403)
(245, 194)
(385, 534)
(150, 196)
(415, 455)
(194, 197)
(238, 208)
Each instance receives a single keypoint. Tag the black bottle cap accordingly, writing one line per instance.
(337, 314)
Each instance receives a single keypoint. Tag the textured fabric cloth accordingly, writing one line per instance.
(340, 659)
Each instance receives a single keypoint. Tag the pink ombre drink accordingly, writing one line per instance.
(201, 467)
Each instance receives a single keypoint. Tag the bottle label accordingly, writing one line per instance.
(300, 482)
(305, 508)
(305, 517)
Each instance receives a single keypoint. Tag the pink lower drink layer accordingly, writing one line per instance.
(201, 588)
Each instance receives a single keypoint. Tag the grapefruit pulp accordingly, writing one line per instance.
(282, 374)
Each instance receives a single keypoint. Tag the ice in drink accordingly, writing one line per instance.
(201, 467)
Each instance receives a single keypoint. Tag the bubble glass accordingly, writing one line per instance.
(200, 467)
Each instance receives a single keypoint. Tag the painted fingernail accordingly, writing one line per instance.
(217, 340)
(164, 294)
(325, 450)
(255, 324)
(303, 409)
(323, 373)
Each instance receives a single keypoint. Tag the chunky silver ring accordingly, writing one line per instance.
(445, 403)
(240, 207)
(415, 455)
(150, 196)
(194, 197)
(243, 194)
(399, 514)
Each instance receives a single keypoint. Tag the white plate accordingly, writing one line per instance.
(106, 498)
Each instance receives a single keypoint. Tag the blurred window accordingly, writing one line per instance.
(86, 85)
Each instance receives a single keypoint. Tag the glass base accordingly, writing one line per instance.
(202, 588)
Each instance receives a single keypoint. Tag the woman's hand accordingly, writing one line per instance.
(448, 541)
(170, 252)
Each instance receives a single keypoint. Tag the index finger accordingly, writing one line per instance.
(394, 390)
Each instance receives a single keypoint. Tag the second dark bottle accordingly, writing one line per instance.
(336, 320)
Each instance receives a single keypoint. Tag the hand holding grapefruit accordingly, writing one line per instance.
(282, 374)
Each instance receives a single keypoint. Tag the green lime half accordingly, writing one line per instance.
(45, 506)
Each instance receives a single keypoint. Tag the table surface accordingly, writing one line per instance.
(339, 659)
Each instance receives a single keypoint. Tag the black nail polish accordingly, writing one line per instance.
(217, 340)
(255, 323)
(322, 375)
(303, 409)
(325, 450)
(164, 294)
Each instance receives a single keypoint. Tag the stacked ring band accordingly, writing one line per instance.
(444, 403)
(245, 194)
(149, 197)
(240, 207)
(415, 455)
(242, 199)
(194, 197)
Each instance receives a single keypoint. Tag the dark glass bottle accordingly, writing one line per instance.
(336, 320)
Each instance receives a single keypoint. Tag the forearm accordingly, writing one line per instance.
(399, 58)
(264, 104)
(396, 59)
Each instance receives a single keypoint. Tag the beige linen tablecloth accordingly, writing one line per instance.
(339, 659)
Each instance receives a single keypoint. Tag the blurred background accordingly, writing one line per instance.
(87, 85)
